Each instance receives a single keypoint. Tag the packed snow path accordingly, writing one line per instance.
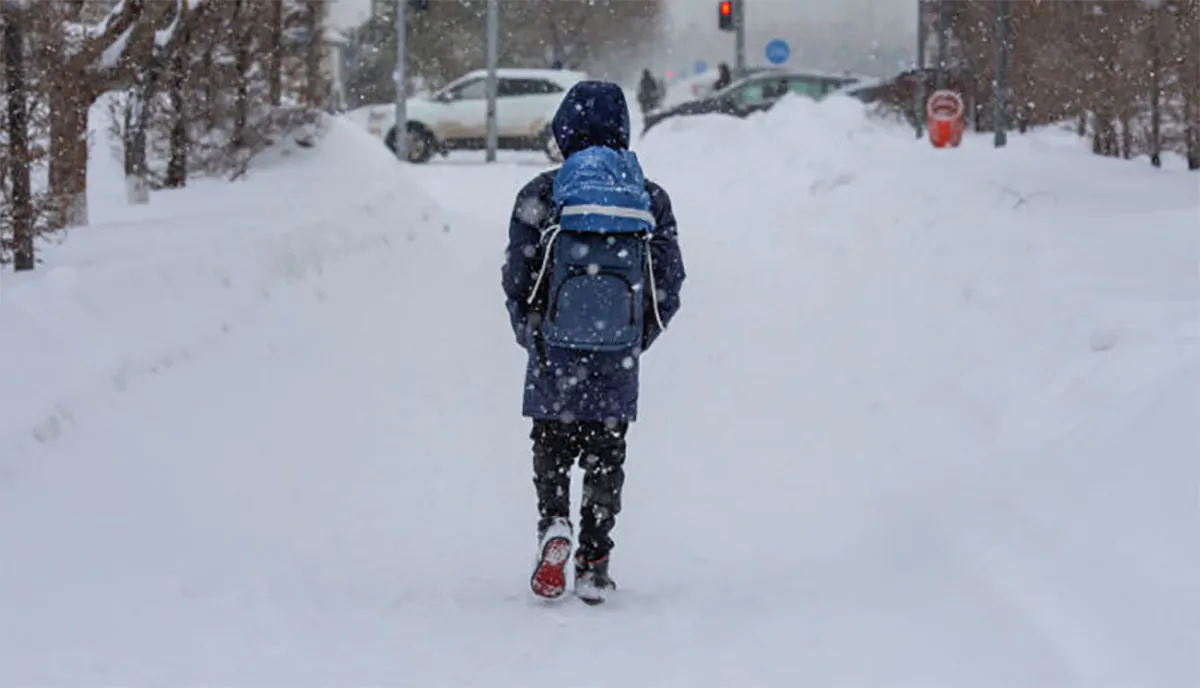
(897, 436)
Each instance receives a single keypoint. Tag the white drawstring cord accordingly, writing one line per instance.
(653, 287)
(553, 232)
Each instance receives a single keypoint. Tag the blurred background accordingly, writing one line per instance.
(865, 36)
(201, 87)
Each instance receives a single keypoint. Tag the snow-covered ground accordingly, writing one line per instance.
(926, 418)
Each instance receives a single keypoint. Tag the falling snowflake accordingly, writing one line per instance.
(531, 211)
(593, 269)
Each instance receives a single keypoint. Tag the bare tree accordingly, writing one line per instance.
(175, 115)
(275, 60)
(80, 61)
(312, 18)
(1187, 13)
(198, 86)
(25, 203)
(1126, 72)
(20, 215)
(146, 59)
(1154, 68)
(223, 84)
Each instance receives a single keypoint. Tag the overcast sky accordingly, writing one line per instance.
(871, 36)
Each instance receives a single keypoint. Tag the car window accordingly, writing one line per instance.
(807, 87)
(751, 94)
(775, 88)
(526, 87)
(471, 90)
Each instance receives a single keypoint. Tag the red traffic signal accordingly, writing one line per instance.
(725, 15)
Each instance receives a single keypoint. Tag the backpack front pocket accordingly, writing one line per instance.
(595, 310)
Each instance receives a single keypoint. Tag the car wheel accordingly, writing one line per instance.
(550, 146)
(420, 142)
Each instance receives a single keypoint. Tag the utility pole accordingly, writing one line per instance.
(943, 39)
(999, 125)
(401, 83)
(493, 38)
(739, 23)
(922, 37)
(18, 135)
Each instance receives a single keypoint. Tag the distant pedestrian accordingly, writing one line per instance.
(724, 77)
(648, 92)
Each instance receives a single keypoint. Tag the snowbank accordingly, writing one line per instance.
(147, 288)
(1000, 345)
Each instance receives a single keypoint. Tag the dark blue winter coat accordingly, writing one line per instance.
(569, 385)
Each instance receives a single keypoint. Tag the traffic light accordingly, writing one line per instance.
(725, 15)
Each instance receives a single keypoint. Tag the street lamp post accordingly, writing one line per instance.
(493, 39)
(739, 19)
(401, 138)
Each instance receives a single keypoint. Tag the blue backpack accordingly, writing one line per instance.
(596, 261)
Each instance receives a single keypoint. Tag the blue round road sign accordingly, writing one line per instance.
(700, 66)
(778, 51)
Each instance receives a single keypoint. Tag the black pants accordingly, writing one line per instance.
(600, 448)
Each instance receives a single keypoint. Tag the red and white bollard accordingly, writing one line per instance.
(944, 117)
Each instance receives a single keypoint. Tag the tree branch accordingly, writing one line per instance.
(93, 43)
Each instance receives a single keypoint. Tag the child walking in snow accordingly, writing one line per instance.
(591, 277)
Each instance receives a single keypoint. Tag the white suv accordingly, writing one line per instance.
(455, 118)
